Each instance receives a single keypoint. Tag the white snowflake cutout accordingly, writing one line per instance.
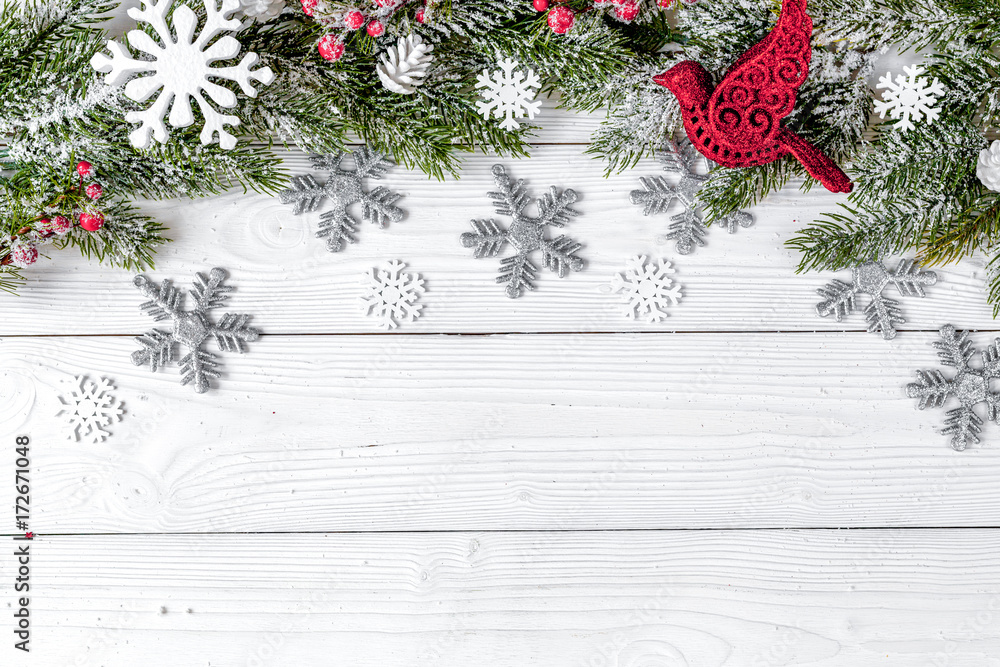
(508, 93)
(89, 409)
(646, 289)
(180, 68)
(909, 98)
(391, 295)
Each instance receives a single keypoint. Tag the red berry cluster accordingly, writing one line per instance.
(371, 17)
(560, 18)
(82, 197)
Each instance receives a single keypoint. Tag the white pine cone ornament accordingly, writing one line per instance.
(262, 10)
(403, 67)
(988, 167)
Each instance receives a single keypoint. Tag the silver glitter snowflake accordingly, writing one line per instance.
(687, 227)
(90, 408)
(392, 295)
(344, 188)
(969, 386)
(508, 93)
(178, 68)
(647, 289)
(191, 327)
(525, 234)
(883, 313)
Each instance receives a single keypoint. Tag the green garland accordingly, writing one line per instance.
(915, 191)
(918, 191)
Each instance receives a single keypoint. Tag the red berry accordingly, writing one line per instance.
(561, 19)
(57, 225)
(420, 15)
(61, 224)
(385, 3)
(375, 28)
(85, 169)
(309, 6)
(627, 11)
(91, 221)
(541, 5)
(94, 191)
(330, 47)
(354, 19)
(23, 254)
(664, 4)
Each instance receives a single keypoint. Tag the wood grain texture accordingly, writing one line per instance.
(291, 284)
(504, 432)
(626, 599)
(757, 414)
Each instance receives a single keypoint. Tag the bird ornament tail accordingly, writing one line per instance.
(819, 166)
(737, 123)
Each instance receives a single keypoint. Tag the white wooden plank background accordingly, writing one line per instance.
(573, 489)
(546, 432)
(707, 598)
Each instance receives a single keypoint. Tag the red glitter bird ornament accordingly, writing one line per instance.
(738, 122)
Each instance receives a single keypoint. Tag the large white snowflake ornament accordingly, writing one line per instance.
(909, 98)
(508, 93)
(391, 295)
(646, 289)
(180, 69)
(90, 408)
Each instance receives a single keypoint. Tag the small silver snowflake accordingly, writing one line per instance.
(969, 386)
(525, 234)
(646, 289)
(90, 408)
(191, 327)
(508, 93)
(909, 98)
(392, 295)
(687, 227)
(343, 188)
(883, 313)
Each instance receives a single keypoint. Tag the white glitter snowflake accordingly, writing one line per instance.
(181, 70)
(646, 289)
(909, 98)
(508, 93)
(391, 295)
(90, 408)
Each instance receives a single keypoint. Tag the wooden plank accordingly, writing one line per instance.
(512, 432)
(287, 279)
(707, 598)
